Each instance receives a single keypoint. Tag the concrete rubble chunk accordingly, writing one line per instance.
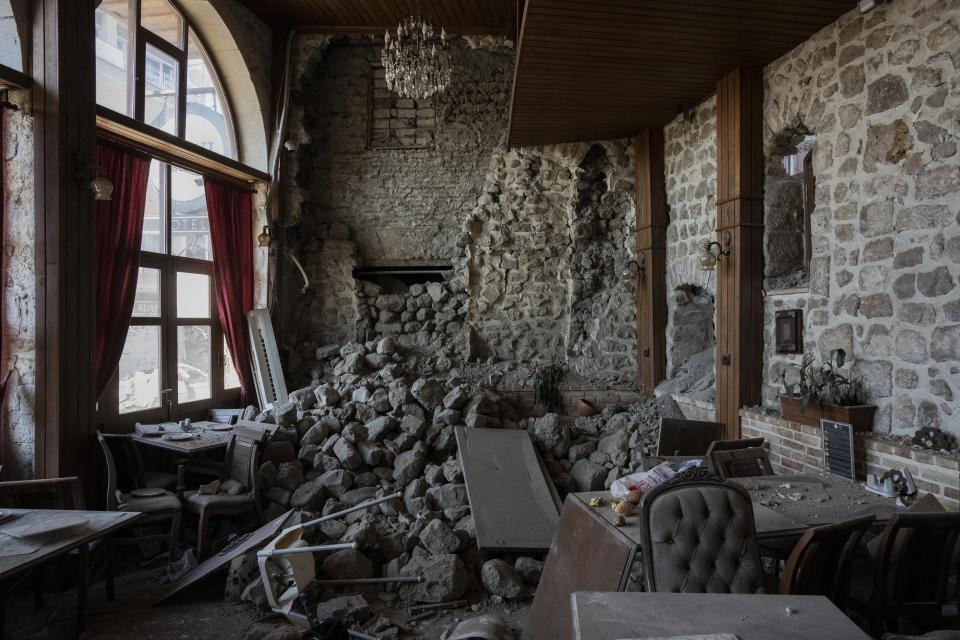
(438, 538)
(501, 579)
(347, 564)
(445, 579)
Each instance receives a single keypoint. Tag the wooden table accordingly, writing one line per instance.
(101, 524)
(590, 554)
(614, 616)
(203, 442)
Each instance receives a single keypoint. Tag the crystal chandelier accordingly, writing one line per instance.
(417, 60)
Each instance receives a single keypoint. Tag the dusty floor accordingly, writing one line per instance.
(131, 615)
(201, 613)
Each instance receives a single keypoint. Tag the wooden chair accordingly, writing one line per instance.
(741, 463)
(819, 563)
(698, 535)
(241, 464)
(51, 493)
(159, 508)
(733, 445)
(687, 437)
(915, 559)
(132, 462)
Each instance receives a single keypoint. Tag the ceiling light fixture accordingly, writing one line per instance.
(417, 61)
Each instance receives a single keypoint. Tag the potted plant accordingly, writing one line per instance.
(546, 387)
(824, 392)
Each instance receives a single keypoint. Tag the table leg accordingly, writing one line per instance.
(83, 564)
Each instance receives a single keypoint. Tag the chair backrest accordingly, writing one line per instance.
(732, 445)
(50, 493)
(916, 557)
(244, 456)
(741, 463)
(698, 536)
(819, 563)
(110, 464)
(687, 437)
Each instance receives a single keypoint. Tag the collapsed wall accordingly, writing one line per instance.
(533, 243)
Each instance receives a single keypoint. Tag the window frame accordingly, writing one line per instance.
(168, 266)
(136, 71)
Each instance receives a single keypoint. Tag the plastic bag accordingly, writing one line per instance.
(646, 480)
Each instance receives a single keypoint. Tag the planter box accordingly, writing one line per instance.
(860, 416)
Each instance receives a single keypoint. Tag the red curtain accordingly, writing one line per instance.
(119, 231)
(231, 233)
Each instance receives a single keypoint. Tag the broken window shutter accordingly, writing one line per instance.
(267, 372)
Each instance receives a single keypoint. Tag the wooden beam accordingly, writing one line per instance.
(652, 255)
(740, 228)
(172, 149)
(12, 79)
(64, 152)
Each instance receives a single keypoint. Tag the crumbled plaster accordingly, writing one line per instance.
(19, 290)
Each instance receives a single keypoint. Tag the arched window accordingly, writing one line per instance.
(152, 66)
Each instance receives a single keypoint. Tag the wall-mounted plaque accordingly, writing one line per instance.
(789, 331)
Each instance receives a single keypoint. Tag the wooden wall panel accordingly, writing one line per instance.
(739, 216)
(64, 138)
(652, 253)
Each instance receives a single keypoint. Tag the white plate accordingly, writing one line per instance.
(147, 492)
(178, 437)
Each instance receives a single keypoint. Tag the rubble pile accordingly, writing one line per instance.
(372, 429)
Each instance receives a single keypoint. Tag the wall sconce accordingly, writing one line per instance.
(265, 238)
(635, 268)
(102, 189)
(714, 252)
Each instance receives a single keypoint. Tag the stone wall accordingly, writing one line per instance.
(691, 179)
(537, 239)
(17, 420)
(881, 93)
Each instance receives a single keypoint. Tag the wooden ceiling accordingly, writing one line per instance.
(607, 69)
(492, 17)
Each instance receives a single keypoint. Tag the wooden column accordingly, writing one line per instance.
(740, 226)
(64, 138)
(652, 255)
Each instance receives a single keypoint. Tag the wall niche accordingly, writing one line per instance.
(789, 200)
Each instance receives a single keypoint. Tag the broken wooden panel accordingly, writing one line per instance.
(588, 554)
(249, 542)
(514, 503)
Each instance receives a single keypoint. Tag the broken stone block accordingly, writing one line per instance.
(342, 607)
(409, 464)
(413, 425)
(529, 569)
(336, 482)
(588, 476)
(457, 398)
(347, 454)
(354, 433)
(310, 496)
(428, 392)
(279, 452)
(448, 495)
(444, 579)
(290, 476)
(380, 400)
(438, 538)
(550, 432)
(348, 564)
(453, 471)
(499, 578)
(279, 495)
(379, 428)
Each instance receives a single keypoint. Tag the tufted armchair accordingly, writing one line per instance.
(698, 536)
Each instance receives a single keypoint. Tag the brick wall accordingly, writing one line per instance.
(797, 448)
